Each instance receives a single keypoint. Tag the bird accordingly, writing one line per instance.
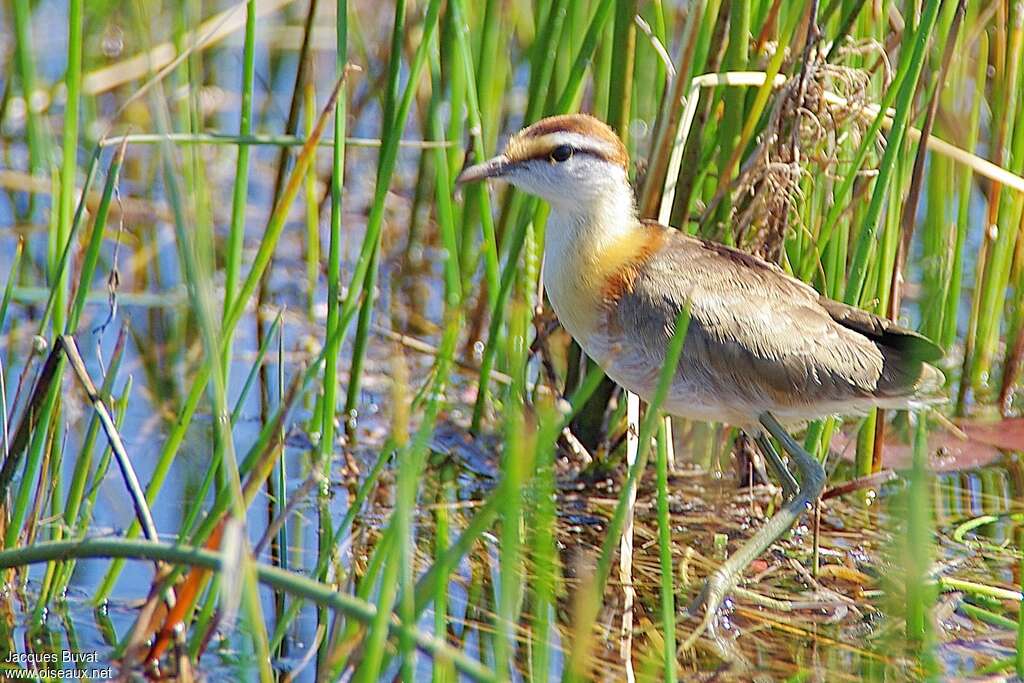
(763, 351)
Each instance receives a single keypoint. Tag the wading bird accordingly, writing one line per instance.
(762, 349)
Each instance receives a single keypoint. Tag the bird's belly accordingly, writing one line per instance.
(697, 394)
(689, 396)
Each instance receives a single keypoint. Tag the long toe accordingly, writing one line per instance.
(711, 597)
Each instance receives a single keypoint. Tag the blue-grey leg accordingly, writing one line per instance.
(723, 579)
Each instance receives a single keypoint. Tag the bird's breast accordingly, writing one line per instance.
(571, 296)
(587, 268)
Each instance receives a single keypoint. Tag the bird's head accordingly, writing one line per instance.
(571, 161)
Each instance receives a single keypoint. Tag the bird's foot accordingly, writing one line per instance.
(711, 597)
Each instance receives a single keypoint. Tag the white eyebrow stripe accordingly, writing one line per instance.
(578, 141)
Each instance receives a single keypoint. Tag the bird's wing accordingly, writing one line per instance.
(883, 331)
(753, 331)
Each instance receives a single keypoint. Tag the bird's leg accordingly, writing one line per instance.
(779, 468)
(722, 580)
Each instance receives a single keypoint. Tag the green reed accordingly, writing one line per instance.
(240, 188)
(69, 157)
(668, 611)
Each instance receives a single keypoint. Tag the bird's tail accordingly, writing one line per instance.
(908, 383)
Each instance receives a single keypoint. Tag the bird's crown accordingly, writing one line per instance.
(579, 132)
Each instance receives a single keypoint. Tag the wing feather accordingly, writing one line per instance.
(756, 334)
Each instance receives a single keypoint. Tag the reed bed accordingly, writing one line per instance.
(278, 403)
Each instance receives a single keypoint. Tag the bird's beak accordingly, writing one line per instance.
(492, 168)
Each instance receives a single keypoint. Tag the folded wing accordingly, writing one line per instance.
(757, 334)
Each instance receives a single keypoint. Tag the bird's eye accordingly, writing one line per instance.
(561, 153)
